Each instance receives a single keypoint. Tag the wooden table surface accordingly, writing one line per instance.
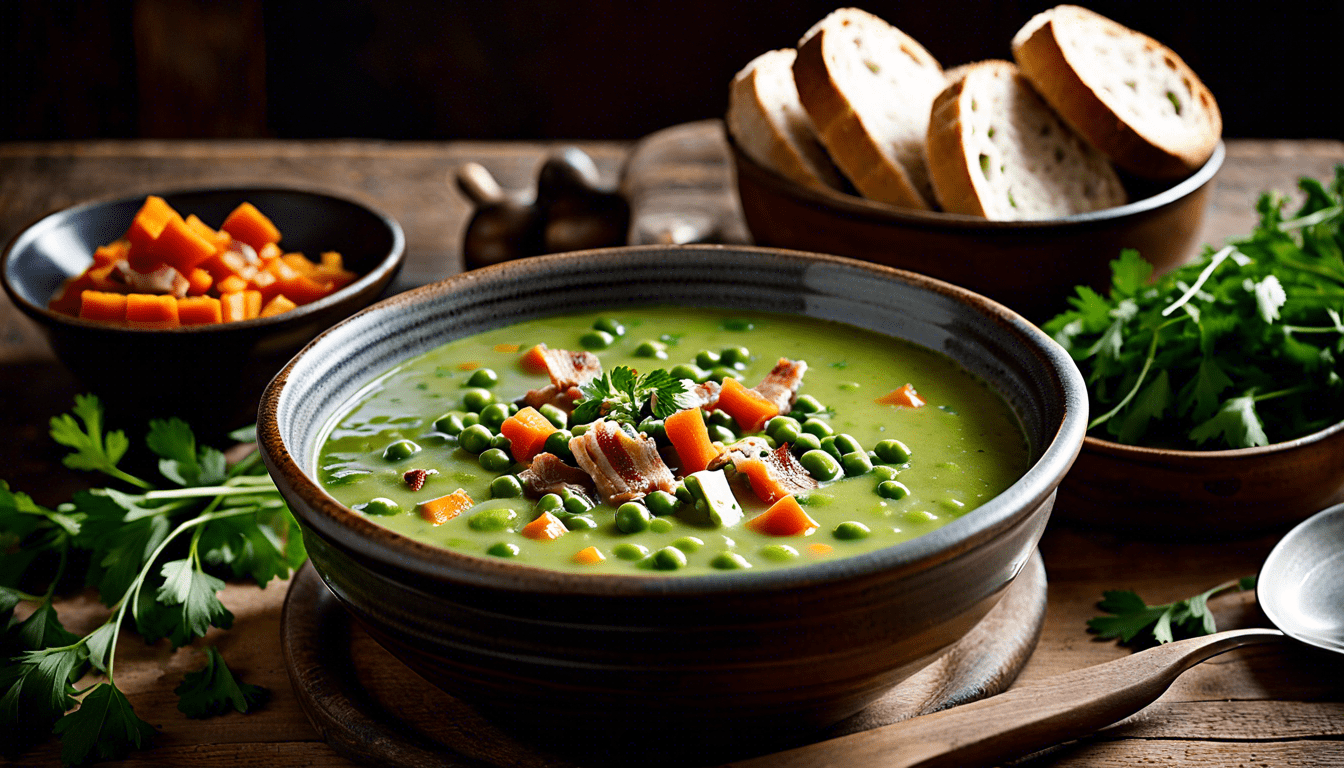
(1269, 705)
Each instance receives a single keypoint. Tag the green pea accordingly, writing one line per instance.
(654, 428)
(502, 443)
(724, 372)
(669, 559)
(892, 451)
(707, 358)
(579, 523)
(884, 472)
(820, 465)
(689, 544)
(513, 408)
(493, 519)
(470, 419)
(550, 502)
(847, 444)
(856, 463)
(577, 504)
(596, 340)
(807, 404)
(476, 399)
(633, 517)
(736, 356)
(483, 377)
(506, 487)
(475, 439)
(787, 433)
(817, 427)
(578, 429)
(662, 503)
(494, 414)
(558, 418)
(738, 324)
(729, 561)
(651, 348)
(692, 372)
(449, 424)
(851, 530)
(610, 325)
(557, 443)
(381, 507)
(628, 551)
(400, 450)
(828, 445)
(503, 549)
(720, 419)
(495, 460)
(660, 525)
(805, 442)
(779, 552)
(721, 434)
(780, 422)
(683, 494)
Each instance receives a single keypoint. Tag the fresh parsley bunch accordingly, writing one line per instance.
(152, 553)
(1244, 347)
(621, 394)
(1131, 618)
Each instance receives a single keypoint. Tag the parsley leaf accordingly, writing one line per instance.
(93, 451)
(1131, 618)
(621, 394)
(213, 690)
(195, 590)
(1236, 423)
(105, 726)
(179, 459)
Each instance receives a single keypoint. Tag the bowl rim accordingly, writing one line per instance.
(856, 206)
(387, 264)
(364, 538)
(1183, 456)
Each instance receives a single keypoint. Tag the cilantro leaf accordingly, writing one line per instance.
(1150, 404)
(1131, 618)
(105, 726)
(1200, 394)
(179, 459)
(1236, 423)
(213, 690)
(258, 545)
(34, 693)
(9, 600)
(196, 592)
(1130, 273)
(43, 629)
(93, 451)
(621, 394)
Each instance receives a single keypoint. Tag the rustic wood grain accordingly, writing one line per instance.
(1259, 706)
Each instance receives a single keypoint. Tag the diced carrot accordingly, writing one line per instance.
(199, 310)
(267, 283)
(589, 556)
(101, 279)
(508, 348)
(181, 248)
(198, 282)
(546, 527)
(221, 265)
(904, 396)
(469, 365)
(233, 306)
(232, 284)
(298, 263)
(686, 430)
(441, 510)
(748, 408)
(145, 228)
(527, 431)
(534, 359)
(269, 252)
(766, 487)
(147, 310)
(282, 270)
(253, 303)
(220, 239)
(820, 549)
(251, 226)
(277, 305)
(110, 253)
(784, 518)
(304, 289)
(98, 305)
(332, 260)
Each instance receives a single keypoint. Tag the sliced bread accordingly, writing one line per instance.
(769, 124)
(868, 88)
(1128, 94)
(997, 150)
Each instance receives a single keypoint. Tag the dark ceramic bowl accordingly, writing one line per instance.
(740, 655)
(1158, 491)
(211, 375)
(1031, 266)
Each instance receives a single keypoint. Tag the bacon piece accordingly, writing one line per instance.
(415, 478)
(775, 475)
(624, 467)
(549, 474)
(746, 448)
(564, 399)
(780, 385)
(568, 371)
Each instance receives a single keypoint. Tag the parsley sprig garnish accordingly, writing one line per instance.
(1131, 618)
(1242, 348)
(621, 394)
(152, 553)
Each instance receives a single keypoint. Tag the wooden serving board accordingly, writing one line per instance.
(371, 708)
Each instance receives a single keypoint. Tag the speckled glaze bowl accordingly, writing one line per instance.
(210, 375)
(1031, 266)
(734, 655)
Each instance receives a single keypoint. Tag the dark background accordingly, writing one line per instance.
(519, 69)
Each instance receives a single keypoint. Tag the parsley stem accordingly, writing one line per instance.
(1147, 365)
(1311, 219)
(208, 490)
(1281, 393)
(1204, 276)
(113, 471)
(60, 568)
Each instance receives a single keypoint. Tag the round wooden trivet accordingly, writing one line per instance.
(371, 708)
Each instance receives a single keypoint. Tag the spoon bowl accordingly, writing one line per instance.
(1301, 586)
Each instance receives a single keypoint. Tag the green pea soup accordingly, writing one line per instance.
(965, 445)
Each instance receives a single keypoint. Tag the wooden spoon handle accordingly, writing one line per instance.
(1022, 720)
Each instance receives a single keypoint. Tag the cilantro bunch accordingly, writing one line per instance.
(621, 395)
(1131, 618)
(1243, 348)
(153, 553)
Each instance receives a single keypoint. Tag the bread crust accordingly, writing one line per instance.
(769, 123)
(1072, 81)
(868, 160)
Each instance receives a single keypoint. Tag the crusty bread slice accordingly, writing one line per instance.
(769, 124)
(868, 88)
(1128, 94)
(997, 150)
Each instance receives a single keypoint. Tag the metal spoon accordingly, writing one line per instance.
(1300, 589)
